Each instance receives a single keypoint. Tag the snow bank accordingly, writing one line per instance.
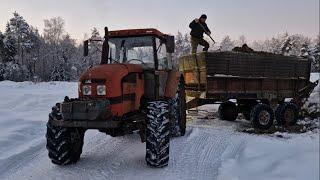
(313, 103)
(273, 158)
(211, 148)
(24, 109)
(293, 157)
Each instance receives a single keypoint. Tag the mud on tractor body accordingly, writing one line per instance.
(136, 88)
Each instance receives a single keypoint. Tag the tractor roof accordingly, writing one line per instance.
(136, 32)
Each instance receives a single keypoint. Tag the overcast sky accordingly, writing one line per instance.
(256, 19)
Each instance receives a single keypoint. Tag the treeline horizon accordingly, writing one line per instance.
(53, 55)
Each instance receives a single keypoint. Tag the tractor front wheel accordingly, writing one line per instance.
(157, 134)
(64, 145)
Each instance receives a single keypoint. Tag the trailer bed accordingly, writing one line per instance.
(237, 75)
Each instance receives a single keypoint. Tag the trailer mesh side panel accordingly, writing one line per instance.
(256, 65)
(258, 75)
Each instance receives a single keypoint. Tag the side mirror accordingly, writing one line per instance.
(86, 48)
(170, 44)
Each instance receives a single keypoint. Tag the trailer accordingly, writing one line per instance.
(263, 85)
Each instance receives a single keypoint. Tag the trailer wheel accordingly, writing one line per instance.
(228, 111)
(157, 134)
(262, 116)
(64, 145)
(178, 111)
(287, 114)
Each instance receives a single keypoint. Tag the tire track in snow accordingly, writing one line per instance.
(197, 155)
(201, 153)
(17, 161)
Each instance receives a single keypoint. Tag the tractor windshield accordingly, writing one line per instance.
(132, 50)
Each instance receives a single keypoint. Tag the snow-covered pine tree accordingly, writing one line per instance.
(55, 53)
(182, 46)
(53, 30)
(259, 45)
(186, 44)
(314, 55)
(276, 45)
(2, 70)
(94, 55)
(304, 51)
(33, 54)
(178, 44)
(19, 29)
(10, 48)
(292, 44)
(241, 41)
(226, 44)
(1, 48)
(286, 46)
(69, 58)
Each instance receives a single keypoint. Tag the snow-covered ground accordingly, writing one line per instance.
(211, 149)
(313, 104)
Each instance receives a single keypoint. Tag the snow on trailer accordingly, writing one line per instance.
(259, 81)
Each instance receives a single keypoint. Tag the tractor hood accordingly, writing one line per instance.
(109, 72)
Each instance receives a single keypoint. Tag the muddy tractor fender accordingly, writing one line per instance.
(172, 83)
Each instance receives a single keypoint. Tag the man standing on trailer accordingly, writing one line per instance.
(198, 27)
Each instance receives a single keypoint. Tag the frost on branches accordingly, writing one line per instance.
(25, 54)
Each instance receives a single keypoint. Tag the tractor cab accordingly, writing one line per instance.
(147, 47)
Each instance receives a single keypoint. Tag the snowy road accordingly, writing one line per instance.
(211, 148)
(196, 156)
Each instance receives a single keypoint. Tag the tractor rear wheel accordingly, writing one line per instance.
(262, 116)
(178, 111)
(228, 111)
(287, 114)
(63, 144)
(157, 134)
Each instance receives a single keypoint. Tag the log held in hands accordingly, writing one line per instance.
(207, 33)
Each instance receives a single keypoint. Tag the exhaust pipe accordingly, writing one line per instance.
(105, 47)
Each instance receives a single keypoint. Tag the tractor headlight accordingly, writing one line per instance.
(101, 90)
(86, 90)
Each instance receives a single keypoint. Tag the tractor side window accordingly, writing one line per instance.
(112, 52)
(162, 55)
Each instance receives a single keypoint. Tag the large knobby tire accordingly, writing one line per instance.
(287, 114)
(178, 111)
(228, 111)
(262, 116)
(64, 145)
(157, 134)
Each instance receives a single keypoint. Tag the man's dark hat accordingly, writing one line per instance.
(203, 16)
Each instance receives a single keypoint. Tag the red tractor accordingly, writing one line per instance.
(136, 88)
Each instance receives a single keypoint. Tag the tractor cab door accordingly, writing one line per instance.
(155, 79)
(163, 67)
